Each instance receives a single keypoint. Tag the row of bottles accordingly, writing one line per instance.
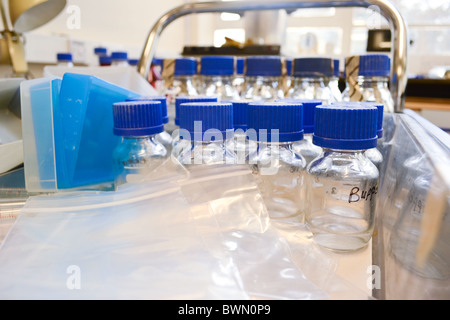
(116, 58)
(309, 159)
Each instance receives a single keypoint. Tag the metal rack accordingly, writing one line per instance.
(397, 24)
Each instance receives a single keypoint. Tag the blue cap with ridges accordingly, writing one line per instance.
(217, 65)
(185, 66)
(263, 66)
(346, 126)
(119, 55)
(137, 118)
(240, 113)
(198, 117)
(161, 99)
(240, 62)
(64, 56)
(378, 105)
(313, 67)
(186, 99)
(309, 107)
(104, 60)
(374, 65)
(268, 116)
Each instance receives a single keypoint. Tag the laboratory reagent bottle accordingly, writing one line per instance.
(64, 60)
(217, 74)
(278, 169)
(263, 78)
(183, 85)
(310, 79)
(119, 59)
(164, 137)
(306, 147)
(367, 78)
(140, 152)
(205, 129)
(342, 183)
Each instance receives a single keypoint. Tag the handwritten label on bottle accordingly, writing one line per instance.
(356, 195)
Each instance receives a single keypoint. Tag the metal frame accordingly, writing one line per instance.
(400, 40)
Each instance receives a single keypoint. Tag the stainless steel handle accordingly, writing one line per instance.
(384, 7)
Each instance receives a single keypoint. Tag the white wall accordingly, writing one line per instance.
(118, 24)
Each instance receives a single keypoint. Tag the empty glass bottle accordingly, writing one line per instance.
(305, 147)
(367, 78)
(205, 129)
(342, 183)
(217, 74)
(64, 60)
(263, 78)
(279, 170)
(119, 59)
(140, 152)
(311, 79)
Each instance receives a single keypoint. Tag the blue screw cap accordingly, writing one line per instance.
(161, 99)
(346, 126)
(186, 99)
(64, 57)
(313, 67)
(119, 55)
(217, 117)
(137, 118)
(263, 66)
(286, 117)
(374, 65)
(240, 114)
(185, 66)
(309, 107)
(217, 66)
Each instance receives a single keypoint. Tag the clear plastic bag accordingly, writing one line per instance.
(202, 234)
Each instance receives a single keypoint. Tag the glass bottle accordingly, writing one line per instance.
(100, 52)
(311, 78)
(371, 78)
(278, 169)
(183, 85)
(164, 137)
(64, 60)
(342, 183)
(205, 131)
(119, 59)
(305, 147)
(263, 78)
(140, 152)
(217, 74)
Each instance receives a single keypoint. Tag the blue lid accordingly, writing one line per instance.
(64, 56)
(217, 66)
(309, 106)
(336, 71)
(240, 113)
(313, 67)
(286, 117)
(346, 126)
(288, 66)
(104, 60)
(100, 51)
(186, 99)
(198, 117)
(137, 118)
(133, 62)
(185, 66)
(161, 99)
(263, 66)
(119, 55)
(377, 105)
(240, 62)
(374, 65)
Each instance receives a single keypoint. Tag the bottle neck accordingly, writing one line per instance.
(372, 81)
(119, 63)
(309, 80)
(347, 153)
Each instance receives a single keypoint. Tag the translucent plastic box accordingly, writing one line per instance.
(68, 131)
